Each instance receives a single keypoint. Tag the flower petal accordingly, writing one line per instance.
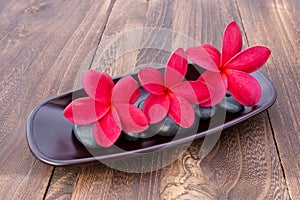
(204, 56)
(126, 90)
(156, 107)
(249, 60)
(132, 119)
(216, 86)
(108, 129)
(181, 111)
(98, 85)
(176, 68)
(232, 42)
(85, 111)
(213, 52)
(243, 87)
(135, 96)
(195, 92)
(152, 80)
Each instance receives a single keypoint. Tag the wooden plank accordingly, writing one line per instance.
(276, 25)
(243, 165)
(65, 177)
(42, 45)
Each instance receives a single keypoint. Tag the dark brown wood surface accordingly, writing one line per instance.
(44, 45)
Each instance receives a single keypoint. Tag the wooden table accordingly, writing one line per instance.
(43, 45)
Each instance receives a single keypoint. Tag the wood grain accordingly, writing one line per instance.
(283, 69)
(41, 46)
(62, 176)
(45, 45)
(244, 164)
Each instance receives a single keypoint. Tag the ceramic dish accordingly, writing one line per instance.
(51, 138)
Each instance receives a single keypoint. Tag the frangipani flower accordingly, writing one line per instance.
(170, 94)
(108, 106)
(230, 69)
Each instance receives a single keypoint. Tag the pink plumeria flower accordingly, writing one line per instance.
(230, 69)
(170, 94)
(108, 106)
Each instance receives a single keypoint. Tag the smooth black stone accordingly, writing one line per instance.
(170, 128)
(85, 135)
(129, 136)
(230, 104)
(206, 112)
(167, 128)
(135, 136)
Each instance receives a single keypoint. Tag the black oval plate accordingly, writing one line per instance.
(51, 139)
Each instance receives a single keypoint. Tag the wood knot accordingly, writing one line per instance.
(33, 10)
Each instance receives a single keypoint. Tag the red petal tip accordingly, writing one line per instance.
(152, 80)
(205, 56)
(98, 85)
(232, 42)
(176, 68)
